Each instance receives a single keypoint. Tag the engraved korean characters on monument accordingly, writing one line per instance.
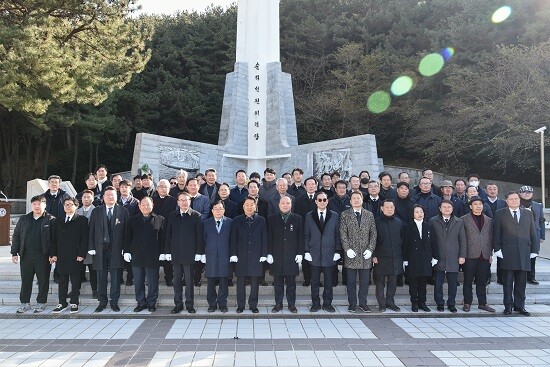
(333, 160)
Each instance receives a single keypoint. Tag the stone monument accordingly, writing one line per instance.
(258, 123)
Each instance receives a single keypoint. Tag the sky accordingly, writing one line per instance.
(171, 6)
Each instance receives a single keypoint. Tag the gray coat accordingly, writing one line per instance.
(478, 242)
(516, 240)
(357, 237)
(99, 234)
(450, 240)
(216, 248)
(320, 242)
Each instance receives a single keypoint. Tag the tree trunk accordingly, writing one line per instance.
(47, 156)
(75, 156)
(90, 158)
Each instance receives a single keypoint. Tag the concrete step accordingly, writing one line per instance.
(268, 301)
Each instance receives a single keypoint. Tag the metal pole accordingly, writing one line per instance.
(542, 169)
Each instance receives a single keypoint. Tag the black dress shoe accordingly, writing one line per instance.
(95, 295)
(431, 281)
(533, 281)
(100, 308)
(254, 309)
(240, 309)
(292, 309)
(306, 283)
(176, 309)
(522, 311)
(212, 309)
(314, 308)
(352, 309)
(414, 307)
(507, 311)
(198, 284)
(440, 308)
(140, 308)
(277, 308)
(152, 308)
(115, 307)
(129, 283)
(423, 307)
(263, 283)
(452, 309)
(223, 309)
(394, 308)
(169, 283)
(329, 308)
(466, 307)
(230, 283)
(191, 309)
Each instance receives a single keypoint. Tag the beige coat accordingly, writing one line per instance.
(357, 237)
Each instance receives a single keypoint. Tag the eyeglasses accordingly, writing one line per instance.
(173, 183)
(322, 200)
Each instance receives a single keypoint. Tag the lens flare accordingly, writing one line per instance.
(447, 53)
(379, 101)
(431, 64)
(401, 85)
(501, 14)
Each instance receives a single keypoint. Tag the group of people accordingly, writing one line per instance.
(195, 226)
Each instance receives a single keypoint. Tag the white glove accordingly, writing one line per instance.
(269, 259)
(405, 264)
(336, 257)
(307, 256)
(351, 254)
(262, 259)
(122, 252)
(367, 254)
(162, 257)
(197, 257)
(168, 257)
(91, 252)
(298, 259)
(434, 262)
(499, 254)
(203, 259)
(127, 257)
(533, 255)
(233, 259)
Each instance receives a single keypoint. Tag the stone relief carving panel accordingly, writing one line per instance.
(333, 160)
(173, 159)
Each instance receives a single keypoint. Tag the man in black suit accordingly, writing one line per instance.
(286, 249)
(211, 186)
(230, 207)
(184, 246)
(248, 249)
(495, 204)
(107, 234)
(102, 181)
(515, 242)
(297, 188)
(303, 205)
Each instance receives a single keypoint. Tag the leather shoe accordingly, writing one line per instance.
(486, 308)
(393, 308)
(306, 284)
(115, 307)
(329, 308)
(240, 309)
(292, 309)
(140, 308)
(230, 283)
(211, 309)
(100, 308)
(314, 308)
(466, 307)
(169, 283)
(507, 311)
(381, 308)
(223, 309)
(95, 295)
(152, 308)
(191, 309)
(423, 307)
(277, 308)
(176, 309)
(522, 311)
(452, 309)
(440, 308)
(533, 281)
(254, 309)
(364, 308)
(414, 307)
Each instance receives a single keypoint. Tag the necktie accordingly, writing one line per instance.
(310, 197)
(321, 218)
(192, 200)
(516, 216)
(218, 225)
(110, 213)
(67, 219)
(358, 215)
(249, 221)
(446, 221)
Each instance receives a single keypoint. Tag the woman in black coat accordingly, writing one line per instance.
(417, 257)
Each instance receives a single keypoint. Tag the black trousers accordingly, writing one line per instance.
(279, 286)
(199, 268)
(129, 271)
(31, 265)
(241, 291)
(499, 270)
(364, 280)
(219, 298)
(387, 282)
(181, 271)
(306, 270)
(168, 270)
(515, 282)
(64, 287)
(315, 280)
(102, 278)
(93, 276)
(531, 274)
(417, 289)
(475, 269)
(152, 275)
(451, 287)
